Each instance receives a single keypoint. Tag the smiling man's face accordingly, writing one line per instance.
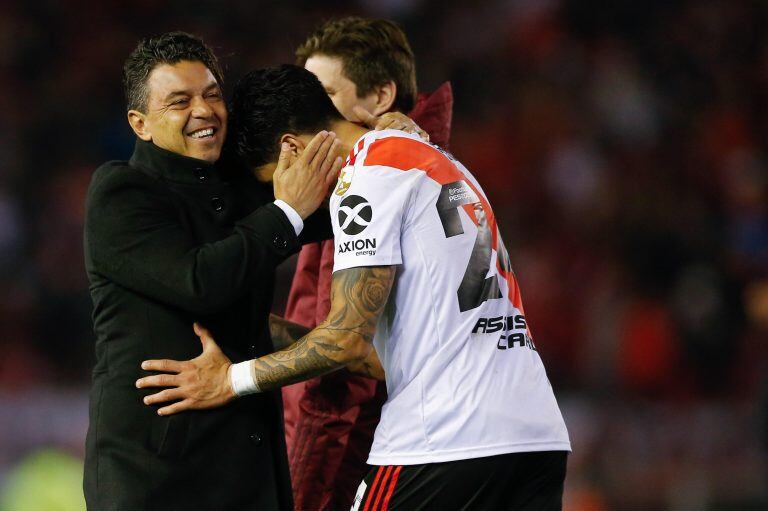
(186, 113)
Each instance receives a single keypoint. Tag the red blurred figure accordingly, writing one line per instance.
(330, 421)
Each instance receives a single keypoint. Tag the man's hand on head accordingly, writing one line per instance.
(202, 382)
(389, 121)
(303, 182)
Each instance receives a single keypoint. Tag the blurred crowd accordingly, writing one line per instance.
(622, 144)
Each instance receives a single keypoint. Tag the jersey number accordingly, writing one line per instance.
(475, 287)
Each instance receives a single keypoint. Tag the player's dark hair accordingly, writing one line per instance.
(267, 103)
(372, 52)
(168, 48)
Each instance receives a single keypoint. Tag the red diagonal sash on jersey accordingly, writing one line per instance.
(406, 154)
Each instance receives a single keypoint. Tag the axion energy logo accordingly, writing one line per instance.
(355, 214)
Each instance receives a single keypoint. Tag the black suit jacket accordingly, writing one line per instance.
(169, 242)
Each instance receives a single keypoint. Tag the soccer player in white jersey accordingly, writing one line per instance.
(421, 275)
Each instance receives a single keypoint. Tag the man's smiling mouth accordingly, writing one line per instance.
(203, 133)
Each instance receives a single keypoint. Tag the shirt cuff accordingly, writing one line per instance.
(293, 216)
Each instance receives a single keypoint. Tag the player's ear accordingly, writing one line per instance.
(297, 145)
(138, 122)
(385, 97)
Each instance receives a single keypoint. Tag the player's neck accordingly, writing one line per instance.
(348, 134)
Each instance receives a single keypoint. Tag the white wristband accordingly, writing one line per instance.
(241, 379)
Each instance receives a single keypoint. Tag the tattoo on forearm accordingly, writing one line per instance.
(358, 296)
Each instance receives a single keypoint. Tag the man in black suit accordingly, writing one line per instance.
(170, 241)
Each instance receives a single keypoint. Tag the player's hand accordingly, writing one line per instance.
(389, 121)
(202, 382)
(303, 182)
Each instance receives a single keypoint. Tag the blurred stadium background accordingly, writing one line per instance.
(623, 145)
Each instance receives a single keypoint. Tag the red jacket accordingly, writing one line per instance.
(330, 421)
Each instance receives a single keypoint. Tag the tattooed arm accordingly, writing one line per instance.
(284, 333)
(358, 297)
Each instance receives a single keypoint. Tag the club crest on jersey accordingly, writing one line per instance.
(355, 214)
(345, 180)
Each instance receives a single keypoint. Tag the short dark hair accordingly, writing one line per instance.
(372, 52)
(168, 48)
(268, 103)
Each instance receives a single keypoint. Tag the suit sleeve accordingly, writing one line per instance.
(133, 237)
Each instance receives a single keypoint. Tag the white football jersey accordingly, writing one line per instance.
(463, 375)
